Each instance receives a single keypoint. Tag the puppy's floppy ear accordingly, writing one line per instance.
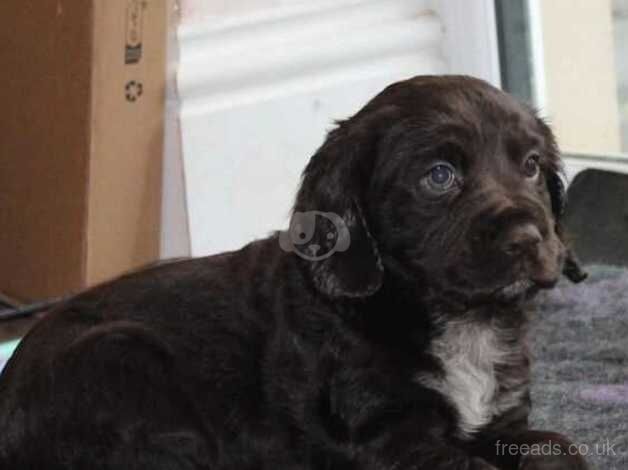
(557, 192)
(334, 182)
(558, 195)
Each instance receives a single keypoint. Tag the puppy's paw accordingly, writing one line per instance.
(543, 450)
(553, 462)
(477, 463)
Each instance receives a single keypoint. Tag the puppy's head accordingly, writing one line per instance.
(446, 182)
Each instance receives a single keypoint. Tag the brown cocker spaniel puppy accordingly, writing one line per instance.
(385, 330)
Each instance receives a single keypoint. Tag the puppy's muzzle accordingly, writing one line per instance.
(519, 240)
(529, 254)
(540, 260)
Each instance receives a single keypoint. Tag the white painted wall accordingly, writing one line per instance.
(579, 73)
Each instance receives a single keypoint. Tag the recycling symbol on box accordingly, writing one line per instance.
(133, 91)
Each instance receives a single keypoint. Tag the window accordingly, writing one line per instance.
(569, 58)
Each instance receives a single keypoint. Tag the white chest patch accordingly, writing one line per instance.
(469, 352)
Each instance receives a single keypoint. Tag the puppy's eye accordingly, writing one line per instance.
(531, 165)
(441, 177)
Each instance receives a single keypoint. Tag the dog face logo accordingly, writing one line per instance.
(315, 235)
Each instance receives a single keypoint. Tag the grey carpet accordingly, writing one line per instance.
(579, 340)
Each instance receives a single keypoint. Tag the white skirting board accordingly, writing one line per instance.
(576, 163)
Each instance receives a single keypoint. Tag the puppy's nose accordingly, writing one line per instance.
(521, 239)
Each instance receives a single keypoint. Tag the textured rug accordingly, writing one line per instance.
(580, 374)
(579, 340)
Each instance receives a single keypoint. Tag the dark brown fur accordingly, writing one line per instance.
(260, 359)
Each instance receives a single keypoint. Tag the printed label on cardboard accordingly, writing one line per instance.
(134, 31)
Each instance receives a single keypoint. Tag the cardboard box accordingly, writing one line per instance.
(81, 141)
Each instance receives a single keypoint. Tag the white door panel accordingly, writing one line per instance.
(243, 164)
(260, 83)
